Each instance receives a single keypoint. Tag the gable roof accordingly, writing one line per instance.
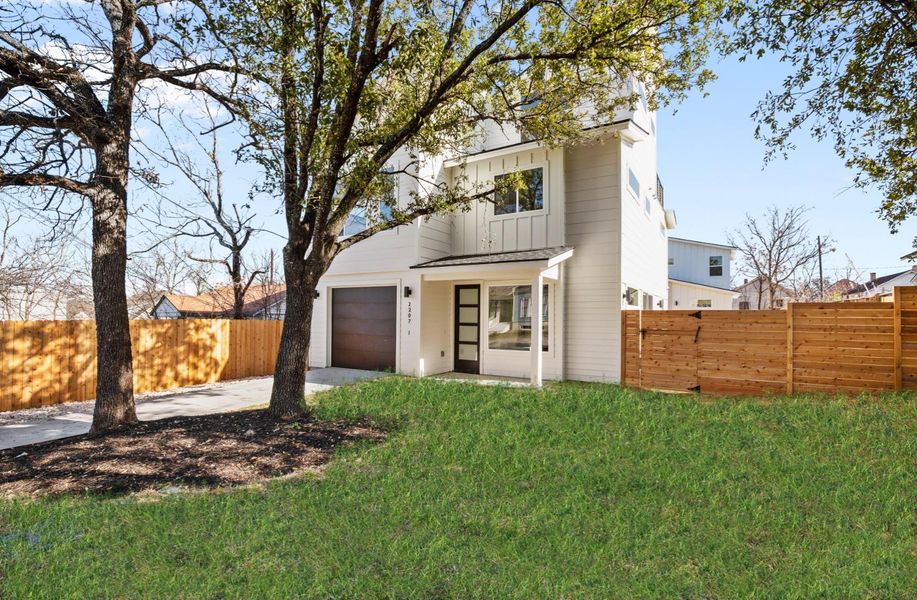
(672, 238)
(219, 302)
(762, 283)
(841, 286)
(704, 286)
(878, 281)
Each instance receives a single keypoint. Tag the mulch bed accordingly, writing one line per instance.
(219, 450)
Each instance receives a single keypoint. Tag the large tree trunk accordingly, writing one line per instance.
(238, 291)
(114, 405)
(287, 399)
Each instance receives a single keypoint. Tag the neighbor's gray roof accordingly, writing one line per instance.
(495, 258)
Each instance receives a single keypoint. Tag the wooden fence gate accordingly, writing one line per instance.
(809, 347)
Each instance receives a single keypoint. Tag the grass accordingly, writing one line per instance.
(578, 491)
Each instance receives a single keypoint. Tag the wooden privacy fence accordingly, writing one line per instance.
(52, 362)
(809, 347)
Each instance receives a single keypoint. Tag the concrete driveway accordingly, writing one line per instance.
(64, 420)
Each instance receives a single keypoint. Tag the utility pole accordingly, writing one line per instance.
(821, 277)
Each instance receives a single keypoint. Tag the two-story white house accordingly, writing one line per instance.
(529, 285)
(700, 274)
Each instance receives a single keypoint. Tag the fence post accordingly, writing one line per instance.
(640, 349)
(898, 365)
(789, 348)
(623, 347)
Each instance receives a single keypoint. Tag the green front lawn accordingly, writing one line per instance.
(578, 491)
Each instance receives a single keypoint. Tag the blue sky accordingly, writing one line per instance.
(713, 171)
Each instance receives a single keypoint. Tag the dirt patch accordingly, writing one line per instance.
(203, 451)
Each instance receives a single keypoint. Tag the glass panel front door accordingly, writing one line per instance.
(467, 328)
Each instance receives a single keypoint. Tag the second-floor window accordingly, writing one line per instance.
(519, 192)
(633, 183)
(362, 217)
(716, 266)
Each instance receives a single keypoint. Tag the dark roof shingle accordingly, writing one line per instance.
(495, 258)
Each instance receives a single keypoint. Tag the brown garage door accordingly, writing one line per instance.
(363, 328)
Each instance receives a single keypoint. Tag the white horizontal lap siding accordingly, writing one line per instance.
(592, 275)
(392, 250)
(644, 244)
(683, 296)
(435, 238)
(478, 230)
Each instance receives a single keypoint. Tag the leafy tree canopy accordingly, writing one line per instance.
(854, 81)
(378, 76)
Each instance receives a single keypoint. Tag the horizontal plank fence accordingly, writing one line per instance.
(809, 347)
(52, 362)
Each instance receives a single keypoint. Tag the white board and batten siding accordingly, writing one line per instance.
(690, 261)
(479, 231)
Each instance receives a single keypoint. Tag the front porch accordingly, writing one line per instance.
(483, 379)
(479, 316)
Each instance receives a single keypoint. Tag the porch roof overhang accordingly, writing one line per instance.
(538, 260)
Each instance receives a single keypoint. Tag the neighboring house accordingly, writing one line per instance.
(700, 274)
(835, 292)
(261, 302)
(454, 292)
(20, 303)
(754, 295)
(880, 288)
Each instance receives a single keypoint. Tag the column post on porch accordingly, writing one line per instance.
(536, 324)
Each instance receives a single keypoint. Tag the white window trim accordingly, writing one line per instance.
(485, 318)
(546, 196)
(396, 192)
(722, 265)
(627, 171)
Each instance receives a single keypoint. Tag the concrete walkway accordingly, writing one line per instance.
(64, 420)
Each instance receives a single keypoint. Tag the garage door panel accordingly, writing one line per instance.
(358, 342)
(364, 327)
(354, 310)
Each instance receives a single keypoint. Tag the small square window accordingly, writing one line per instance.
(519, 192)
(364, 216)
(647, 302)
(744, 305)
(704, 303)
(716, 266)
